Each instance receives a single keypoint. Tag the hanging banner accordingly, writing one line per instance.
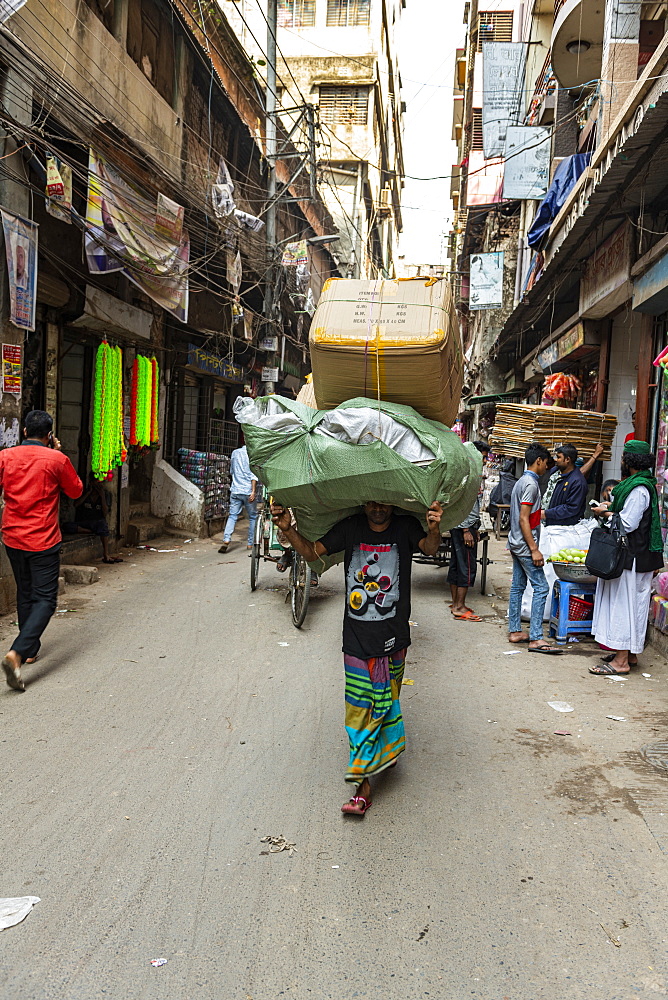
(486, 279)
(11, 368)
(169, 218)
(294, 254)
(502, 83)
(222, 197)
(59, 189)
(21, 252)
(122, 235)
(527, 168)
(234, 270)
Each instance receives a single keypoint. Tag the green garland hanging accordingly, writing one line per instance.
(144, 404)
(108, 446)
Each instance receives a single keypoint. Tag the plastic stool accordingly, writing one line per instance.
(560, 623)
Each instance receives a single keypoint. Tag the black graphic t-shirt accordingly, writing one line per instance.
(378, 582)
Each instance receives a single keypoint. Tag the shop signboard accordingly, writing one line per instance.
(206, 361)
(270, 374)
(268, 344)
(503, 84)
(486, 277)
(606, 283)
(527, 169)
(574, 338)
(548, 357)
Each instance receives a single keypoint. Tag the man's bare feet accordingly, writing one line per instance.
(11, 664)
(516, 637)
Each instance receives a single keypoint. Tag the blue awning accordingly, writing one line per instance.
(565, 177)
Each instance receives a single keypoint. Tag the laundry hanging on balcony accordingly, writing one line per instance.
(565, 178)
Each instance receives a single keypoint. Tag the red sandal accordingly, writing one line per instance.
(357, 806)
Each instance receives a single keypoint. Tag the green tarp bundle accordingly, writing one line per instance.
(295, 452)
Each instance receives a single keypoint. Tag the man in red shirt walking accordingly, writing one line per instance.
(31, 477)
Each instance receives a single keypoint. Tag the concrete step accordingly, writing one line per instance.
(139, 508)
(80, 574)
(143, 529)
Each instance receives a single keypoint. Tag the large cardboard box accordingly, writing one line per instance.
(394, 340)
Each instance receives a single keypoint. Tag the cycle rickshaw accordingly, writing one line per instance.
(265, 541)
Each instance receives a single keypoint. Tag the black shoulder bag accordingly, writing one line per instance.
(608, 548)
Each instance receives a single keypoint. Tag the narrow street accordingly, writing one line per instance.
(167, 729)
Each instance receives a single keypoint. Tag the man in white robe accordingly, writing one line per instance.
(622, 605)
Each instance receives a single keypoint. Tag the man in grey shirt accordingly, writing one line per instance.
(523, 539)
(464, 555)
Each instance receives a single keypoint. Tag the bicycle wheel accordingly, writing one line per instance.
(300, 589)
(256, 550)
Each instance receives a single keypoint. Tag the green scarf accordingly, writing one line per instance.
(620, 495)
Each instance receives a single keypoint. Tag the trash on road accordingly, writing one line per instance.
(407, 681)
(14, 909)
(66, 611)
(284, 644)
(562, 732)
(157, 962)
(561, 706)
(614, 940)
(412, 623)
(166, 550)
(647, 675)
(512, 652)
(278, 844)
(616, 718)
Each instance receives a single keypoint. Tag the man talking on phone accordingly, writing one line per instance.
(31, 477)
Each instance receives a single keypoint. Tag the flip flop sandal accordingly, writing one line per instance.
(13, 675)
(610, 657)
(518, 642)
(605, 670)
(468, 616)
(354, 806)
(548, 650)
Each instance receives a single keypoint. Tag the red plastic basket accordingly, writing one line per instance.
(580, 610)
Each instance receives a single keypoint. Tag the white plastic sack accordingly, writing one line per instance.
(554, 537)
(16, 909)
(355, 426)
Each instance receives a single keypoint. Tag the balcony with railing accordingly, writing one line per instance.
(577, 41)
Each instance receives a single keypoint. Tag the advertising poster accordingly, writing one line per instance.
(502, 82)
(486, 279)
(21, 252)
(294, 254)
(126, 231)
(59, 189)
(527, 170)
(11, 368)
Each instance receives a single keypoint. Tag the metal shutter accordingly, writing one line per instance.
(347, 13)
(344, 105)
(495, 26)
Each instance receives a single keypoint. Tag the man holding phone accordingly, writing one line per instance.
(31, 477)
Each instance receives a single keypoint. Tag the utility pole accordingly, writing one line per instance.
(270, 134)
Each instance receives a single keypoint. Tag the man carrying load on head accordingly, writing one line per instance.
(378, 546)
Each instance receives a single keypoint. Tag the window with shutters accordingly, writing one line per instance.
(495, 26)
(476, 129)
(151, 44)
(344, 105)
(347, 13)
(296, 13)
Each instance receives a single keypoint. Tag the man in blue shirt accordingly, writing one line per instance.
(569, 497)
(242, 495)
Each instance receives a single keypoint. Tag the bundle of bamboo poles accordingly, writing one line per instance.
(516, 426)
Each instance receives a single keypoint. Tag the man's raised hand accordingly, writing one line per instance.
(434, 515)
(280, 516)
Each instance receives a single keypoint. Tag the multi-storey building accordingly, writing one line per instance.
(585, 267)
(340, 56)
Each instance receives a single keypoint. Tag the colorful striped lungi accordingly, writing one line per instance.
(374, 722)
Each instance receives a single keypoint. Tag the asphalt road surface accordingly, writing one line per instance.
(168, 728)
